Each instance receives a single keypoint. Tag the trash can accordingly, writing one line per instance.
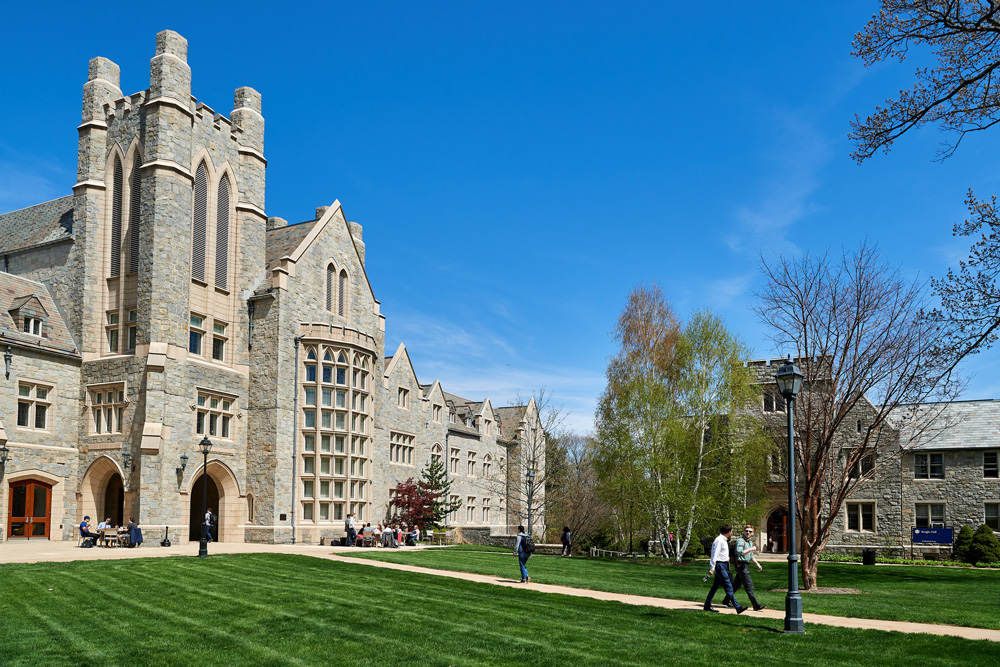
(868, 556)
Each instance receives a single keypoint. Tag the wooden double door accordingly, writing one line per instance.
(29, 510)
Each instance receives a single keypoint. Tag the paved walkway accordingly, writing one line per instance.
(45, 551)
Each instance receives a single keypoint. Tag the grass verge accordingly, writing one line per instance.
(924, 594)
(275, 609)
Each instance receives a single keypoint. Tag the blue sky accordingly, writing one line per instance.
(518, 168)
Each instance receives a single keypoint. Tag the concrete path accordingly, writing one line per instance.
(46, 551)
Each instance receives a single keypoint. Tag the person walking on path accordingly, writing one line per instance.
(209, 522)
(522, 553)
(567, 542)
(744, 556)
(719, 566)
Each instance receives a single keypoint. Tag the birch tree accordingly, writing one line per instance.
(675, 429)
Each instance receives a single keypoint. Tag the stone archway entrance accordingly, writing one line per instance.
(225, 500)
(197, 515)
(114, 500)
(102, 492)
(777, 531)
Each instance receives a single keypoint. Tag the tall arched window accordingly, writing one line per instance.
(342, 294)
(330, 276)
(199, 224)
(135, 202)
(222, 236)
(116, 221)
(436, 453)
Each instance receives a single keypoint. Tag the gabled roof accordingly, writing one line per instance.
(396, 359)
(55, 335)
(37, 225)
(283, 241)
(958, 425)
(509, 418)
(19, 303)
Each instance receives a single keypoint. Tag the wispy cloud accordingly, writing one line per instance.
(26, 180)
(478, 362)
(784, 199)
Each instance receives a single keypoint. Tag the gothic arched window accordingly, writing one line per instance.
(222, 236)
(342, 294)
(116, 220)
(135, 202)
(199, 224)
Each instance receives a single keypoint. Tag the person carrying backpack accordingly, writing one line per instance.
(523, 548)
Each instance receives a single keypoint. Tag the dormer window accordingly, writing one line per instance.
(32, 326)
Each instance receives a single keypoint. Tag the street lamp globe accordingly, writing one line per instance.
(789, 379)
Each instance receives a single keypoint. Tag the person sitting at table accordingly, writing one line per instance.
(386, 536)
(85, 530)
(134, 534)
(411, 538)
(103, 525)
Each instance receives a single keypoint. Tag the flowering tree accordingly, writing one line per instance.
(415, 503)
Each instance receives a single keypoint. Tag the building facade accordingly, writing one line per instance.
(936, 469)
(159, 305)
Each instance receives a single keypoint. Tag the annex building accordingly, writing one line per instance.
(938, 470)
(159, 304)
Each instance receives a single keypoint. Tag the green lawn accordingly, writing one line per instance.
(927, 594)
(273, 609)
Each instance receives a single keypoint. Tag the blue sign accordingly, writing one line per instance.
(932, 535)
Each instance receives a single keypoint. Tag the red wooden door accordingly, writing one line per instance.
(28, 513)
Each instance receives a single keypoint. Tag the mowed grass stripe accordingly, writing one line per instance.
(223, 610)
(923, 594)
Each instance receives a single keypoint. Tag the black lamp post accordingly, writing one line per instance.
(789, 380)
(206, 447)
(531, 490)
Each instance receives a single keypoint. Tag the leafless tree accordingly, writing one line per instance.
(859, 333)
(573, 501)
(970, 297)
(538, 419)
(961, 93)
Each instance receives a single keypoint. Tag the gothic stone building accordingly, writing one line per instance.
(946, 475)
(158, 305)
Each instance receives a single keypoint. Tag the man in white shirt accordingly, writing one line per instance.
(719, 566)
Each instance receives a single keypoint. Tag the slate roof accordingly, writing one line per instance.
(283, 241)
(55, 333)
(961, 425)
(35, 225)
(508, 419)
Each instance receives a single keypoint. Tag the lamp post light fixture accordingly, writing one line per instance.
(127, 459)
(8, 357)
(206, 447)
(789, 380)
(531, 490)
(184, 464)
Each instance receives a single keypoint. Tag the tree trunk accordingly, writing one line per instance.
(809, 563)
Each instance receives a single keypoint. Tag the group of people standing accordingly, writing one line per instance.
(719, 567)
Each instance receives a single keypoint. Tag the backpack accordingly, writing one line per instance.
(527, 545)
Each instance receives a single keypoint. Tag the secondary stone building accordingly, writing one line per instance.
(944, 475)
(159, 305)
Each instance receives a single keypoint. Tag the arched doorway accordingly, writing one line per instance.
(114, 500)
(224, 498)
(102, 492)
(777, 531)
(29, 509)
(197, 517)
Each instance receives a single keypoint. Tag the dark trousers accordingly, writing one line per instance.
(721, 579)
(566, 548)
(743, 579)
(352, 535)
